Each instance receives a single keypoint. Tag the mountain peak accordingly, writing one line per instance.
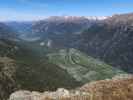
(74, 18)
(97, 17)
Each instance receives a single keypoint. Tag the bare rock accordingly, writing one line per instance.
(111, 89)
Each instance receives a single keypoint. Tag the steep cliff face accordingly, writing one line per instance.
(114, 89)
(111, 40)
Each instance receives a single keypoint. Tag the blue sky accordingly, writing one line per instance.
(38, 9)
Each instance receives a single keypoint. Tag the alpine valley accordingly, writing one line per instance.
(65, 52)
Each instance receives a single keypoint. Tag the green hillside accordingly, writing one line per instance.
(81, 67)
(23, 67)
(35, 72)
(41, 68)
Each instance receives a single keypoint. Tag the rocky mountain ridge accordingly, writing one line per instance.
(106, 39)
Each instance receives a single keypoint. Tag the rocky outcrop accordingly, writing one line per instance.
(7, 77)
(114, 89)
(60, 94)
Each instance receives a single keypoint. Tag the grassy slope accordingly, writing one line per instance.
(64, 68)
(35, 72)
(82, 67)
